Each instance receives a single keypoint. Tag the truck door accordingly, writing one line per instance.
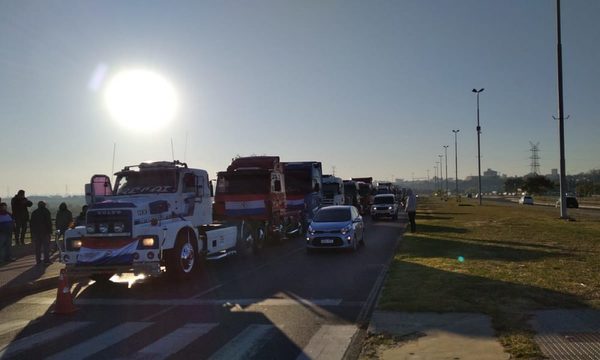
(98, 189)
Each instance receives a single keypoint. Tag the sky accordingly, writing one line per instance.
(369, 88)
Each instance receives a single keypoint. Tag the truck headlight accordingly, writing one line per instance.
(119, 227)
(90, 228)
(148, 242)
(76, 244)
(103, 228)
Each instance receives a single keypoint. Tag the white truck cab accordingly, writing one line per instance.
(157, 217)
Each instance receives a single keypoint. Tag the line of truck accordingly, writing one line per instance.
(167, 217)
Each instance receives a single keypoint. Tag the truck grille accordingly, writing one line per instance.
(110, 218)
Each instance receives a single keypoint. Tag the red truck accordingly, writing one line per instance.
(252, 190)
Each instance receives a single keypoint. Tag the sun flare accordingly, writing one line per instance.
(141, 99)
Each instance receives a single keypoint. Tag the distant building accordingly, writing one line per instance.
(491, 173)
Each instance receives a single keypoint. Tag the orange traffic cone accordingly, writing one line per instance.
(64, 299)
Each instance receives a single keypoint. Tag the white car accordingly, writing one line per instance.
(526, 200)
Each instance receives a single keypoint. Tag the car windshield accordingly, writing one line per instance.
(332, 215)
(383, 200)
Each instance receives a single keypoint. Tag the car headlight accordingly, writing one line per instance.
(311, 231)
(90, 228)
(103, 228)
(119, 227)
(76, 244)
(390, 207)
(346, 229)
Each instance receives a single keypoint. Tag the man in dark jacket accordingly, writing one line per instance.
(41, 231)
(19, 205)
(6, 228)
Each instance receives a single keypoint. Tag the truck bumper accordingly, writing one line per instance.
(148, 268)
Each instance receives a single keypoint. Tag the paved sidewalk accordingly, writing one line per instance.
(464, 336)
(24, 276)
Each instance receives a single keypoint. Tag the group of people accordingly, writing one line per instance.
(40, 223)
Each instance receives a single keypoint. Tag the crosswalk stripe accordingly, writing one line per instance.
(174, 342)
(246, 344)
(192, 302)
(101, 341)
(330, 342)
(28, 342)
(12, 326)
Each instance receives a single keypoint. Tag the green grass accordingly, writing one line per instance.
(499, 259)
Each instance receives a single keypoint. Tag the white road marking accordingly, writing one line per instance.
(174, 342)
(101, 341)
(246, 344)
(330, 342)
(31, 341)
(12, 325)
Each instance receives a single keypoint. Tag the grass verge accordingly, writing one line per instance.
(500, 259)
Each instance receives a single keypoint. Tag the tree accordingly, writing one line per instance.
(512, 184)
(537, 184)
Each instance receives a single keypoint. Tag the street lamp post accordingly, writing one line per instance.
(446, 160)
(456, 160)
(478, 145)
(441, 173)
(435, 178)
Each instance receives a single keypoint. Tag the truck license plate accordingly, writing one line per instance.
(326, 241)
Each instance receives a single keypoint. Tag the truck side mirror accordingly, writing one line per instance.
(316, 188)
(277, 185)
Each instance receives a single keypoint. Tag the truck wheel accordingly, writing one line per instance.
(182, 260)
(259, 239)
(245, 243)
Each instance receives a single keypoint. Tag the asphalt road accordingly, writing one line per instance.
(282, 304)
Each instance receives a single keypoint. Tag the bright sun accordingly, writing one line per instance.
(141, 99)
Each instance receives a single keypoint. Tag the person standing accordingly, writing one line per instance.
(81, 217)
(41, 231)
(18, 206)
(411, 209)
(6, 229)
(64, 218)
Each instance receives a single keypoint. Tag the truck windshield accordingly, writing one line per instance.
(244, 184)
(383, 200)
(298, 182)
(350, 189)
(331, 188)
(364, 189)
(145, 182)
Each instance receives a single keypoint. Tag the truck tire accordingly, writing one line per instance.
(182, 260)
(245, 244)
(259, 239)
